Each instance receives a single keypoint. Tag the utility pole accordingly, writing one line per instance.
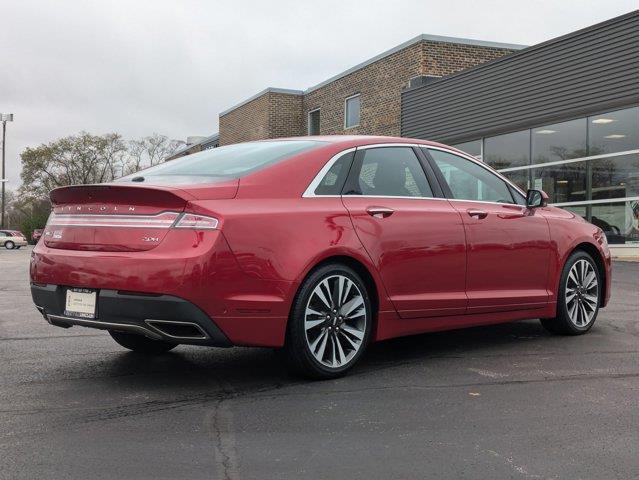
(5, 117)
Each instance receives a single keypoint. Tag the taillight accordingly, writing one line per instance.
(164, 220)
(161, 220)
(196, 222)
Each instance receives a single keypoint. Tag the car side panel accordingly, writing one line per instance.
(568, 231)
(281, 240)
(508, 251)
(419, 251)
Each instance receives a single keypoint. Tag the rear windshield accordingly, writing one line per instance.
(232, 161)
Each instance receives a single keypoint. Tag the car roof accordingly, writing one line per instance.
(355, 140)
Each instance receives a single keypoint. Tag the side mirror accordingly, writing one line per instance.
(536, 199)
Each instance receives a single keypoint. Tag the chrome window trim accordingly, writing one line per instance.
(310, 190)
(486, 201)
(398, 144)
(393, 196)
(484, 166)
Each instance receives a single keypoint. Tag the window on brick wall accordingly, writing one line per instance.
(351, 111)
(314, 122)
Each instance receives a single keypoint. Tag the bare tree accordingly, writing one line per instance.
(85, 158)
(149, 151)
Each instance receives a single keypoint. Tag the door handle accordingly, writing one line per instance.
(379, 212)
(477, 213)
(507, 216)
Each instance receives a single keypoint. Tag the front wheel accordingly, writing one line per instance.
(140, 343)
(579, 297)
(330, 323)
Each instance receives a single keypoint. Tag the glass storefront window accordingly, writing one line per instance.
(615, 177)
(562, 183)
(614, 132)
(618, 220)
(507, 151)
(519, 178)
(471, 148)
(559, 141)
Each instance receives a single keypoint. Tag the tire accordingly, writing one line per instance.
(9, 245)
(578, 298)
(18, 248)
(140, 343)
(330, 323)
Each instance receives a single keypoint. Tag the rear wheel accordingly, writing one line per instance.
(9, 245)
(579, 297)
(141, 344)
(330, 323)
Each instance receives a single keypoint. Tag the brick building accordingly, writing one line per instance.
(364, 100)
(196, 144)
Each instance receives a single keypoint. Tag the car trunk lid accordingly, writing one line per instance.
(121, 217)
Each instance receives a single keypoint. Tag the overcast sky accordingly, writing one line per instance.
(137, 67)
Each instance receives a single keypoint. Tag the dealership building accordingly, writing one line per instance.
(562, 115)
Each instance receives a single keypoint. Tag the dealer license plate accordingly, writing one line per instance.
(80, 303)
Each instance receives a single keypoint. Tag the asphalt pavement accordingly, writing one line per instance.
(506, 401)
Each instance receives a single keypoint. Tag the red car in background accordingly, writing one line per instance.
(319, 245)
(36, 235)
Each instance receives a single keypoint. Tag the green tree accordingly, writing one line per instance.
(72, 160)
(86, 158)
(26, 213)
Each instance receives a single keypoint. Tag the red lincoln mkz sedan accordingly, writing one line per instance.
(319, 245)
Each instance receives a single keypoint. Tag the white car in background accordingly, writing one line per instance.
(11, 239)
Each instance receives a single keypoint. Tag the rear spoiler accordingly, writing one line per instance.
(147, 194)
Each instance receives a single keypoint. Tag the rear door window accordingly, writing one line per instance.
(333, 181)
(392, 172)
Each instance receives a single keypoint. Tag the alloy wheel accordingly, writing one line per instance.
(335, 321)
(582, 293)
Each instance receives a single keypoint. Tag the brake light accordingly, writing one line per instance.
(196, 222)
(161, 220)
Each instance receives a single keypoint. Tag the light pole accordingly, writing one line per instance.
(4, 117)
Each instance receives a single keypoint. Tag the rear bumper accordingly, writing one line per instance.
(198, 268)
(160, 317)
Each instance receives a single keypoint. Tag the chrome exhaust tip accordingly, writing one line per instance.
(178, 330)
